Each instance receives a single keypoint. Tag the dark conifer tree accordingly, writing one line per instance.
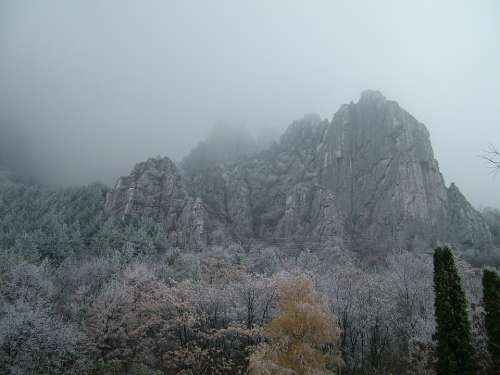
(491, 290)
(454, 345)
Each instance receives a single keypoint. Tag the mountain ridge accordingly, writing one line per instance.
(367, 178)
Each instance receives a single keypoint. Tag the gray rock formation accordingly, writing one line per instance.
(367, 179)
(155, 189)
(467, 226)
(379, 160)
(275, 196)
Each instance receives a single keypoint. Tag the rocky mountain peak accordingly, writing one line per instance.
(159, 166)
(303, 132)
(155, 189)
(368, 97)
(366, 180)
(468, 226)
(454, 190)
(152, 189)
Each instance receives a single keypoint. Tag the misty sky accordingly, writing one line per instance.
(100, 85)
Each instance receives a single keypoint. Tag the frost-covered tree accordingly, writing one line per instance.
(133, 319)
(257, 296)
(384, 313)
(34, 341)
(136, 303)
(50, 224)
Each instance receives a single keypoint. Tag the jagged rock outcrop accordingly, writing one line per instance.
(380, 162)
(155, 189)
(275, 196)
(467, 226)
(367, 179)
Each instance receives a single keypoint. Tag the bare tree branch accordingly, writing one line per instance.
(492, 157)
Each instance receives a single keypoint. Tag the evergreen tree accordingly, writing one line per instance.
(454, 347)
(491, 290)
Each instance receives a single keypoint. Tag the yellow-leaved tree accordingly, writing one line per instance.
(302, 339)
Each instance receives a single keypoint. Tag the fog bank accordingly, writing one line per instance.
(94, 87)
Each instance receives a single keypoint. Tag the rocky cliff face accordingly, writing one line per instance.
(367, 179)
(277, 195)
(467, 226)
(380, 162)
(155, 189)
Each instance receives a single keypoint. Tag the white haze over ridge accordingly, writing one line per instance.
(97, 86)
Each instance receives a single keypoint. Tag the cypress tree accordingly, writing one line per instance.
(454, 345)
(491, 297)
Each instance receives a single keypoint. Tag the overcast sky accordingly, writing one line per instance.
(100, 85)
